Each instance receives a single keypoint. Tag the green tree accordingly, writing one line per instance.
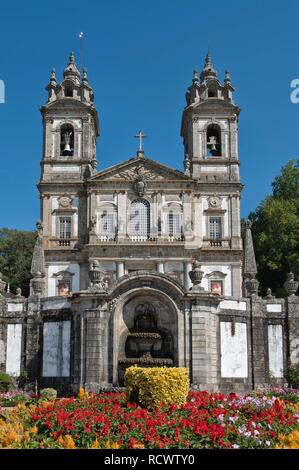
(275, 230)
(16, 248)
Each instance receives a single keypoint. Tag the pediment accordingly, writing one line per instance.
(140, 168)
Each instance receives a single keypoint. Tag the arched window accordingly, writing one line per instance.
(107, 223)
(174, 224)
(139, 218)
(67, 140)
(68, 91)
(212, 92)
(214, 141)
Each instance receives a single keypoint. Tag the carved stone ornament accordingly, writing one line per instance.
(196, 276)
(65, 202)
(291, 286)
(214, 202)
(93, 224)
(140, 186)
(251, 285)
(2, 284)
(99, 279)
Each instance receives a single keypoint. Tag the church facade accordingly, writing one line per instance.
(143, 264)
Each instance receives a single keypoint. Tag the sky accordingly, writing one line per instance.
(140, 57)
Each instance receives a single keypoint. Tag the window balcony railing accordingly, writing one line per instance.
(129, 239)
(216, 243)
(62, 242)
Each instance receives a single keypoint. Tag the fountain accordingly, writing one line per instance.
(141, 340)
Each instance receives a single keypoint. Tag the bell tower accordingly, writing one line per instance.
(210, 136)
(210, 127)
(71, 127)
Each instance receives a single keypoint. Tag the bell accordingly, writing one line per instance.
(67, 140)
(67, 149)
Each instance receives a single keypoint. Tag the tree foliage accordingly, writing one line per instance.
(16, 248)
(275, 230)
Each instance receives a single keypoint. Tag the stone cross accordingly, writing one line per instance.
(140, 136)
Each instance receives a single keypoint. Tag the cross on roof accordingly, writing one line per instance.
(140, 136)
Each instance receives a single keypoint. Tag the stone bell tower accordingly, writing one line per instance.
(210, 127)
(210, 136)
(71, 127)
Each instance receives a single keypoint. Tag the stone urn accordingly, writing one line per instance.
(291, 286)
(196, 276)
(98, 278)
(37, 284)
(252, 285)
(95, 276)
(2, 284)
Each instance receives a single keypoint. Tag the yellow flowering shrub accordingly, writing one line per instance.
(111, 445)
(69, 442)
(82, 394)
(150, 386)
(291, 441)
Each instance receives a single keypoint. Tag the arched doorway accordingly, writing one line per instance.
(145, 331)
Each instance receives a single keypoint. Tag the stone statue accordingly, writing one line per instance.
(92, 224)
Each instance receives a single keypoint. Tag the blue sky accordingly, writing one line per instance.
(140, 57)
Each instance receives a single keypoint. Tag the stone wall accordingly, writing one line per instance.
(227, 344)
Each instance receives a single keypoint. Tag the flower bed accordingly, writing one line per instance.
(107, 421)
(14, 397)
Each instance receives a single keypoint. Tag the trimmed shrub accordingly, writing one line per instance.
(48, 394)
(151, 386)
(292, 376)
(6, 382)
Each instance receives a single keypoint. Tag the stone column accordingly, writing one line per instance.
(292, 309)
(160, 267)
(187, 280)
(258, 343)
(96, 352)
(49, 150)
(121, 215)
(120, 268)
(204, 343)
(33, 329)
(237, 281)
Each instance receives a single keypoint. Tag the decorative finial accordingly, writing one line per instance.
(208, 70)
(195, 75)
(39, 227)
(53, 76)
(2, 284)
(85, 77)
(248, 224)
(291, 286)
(72, 58)
(19, 292)
(208, 60)
(269, 294)
(227, 76)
